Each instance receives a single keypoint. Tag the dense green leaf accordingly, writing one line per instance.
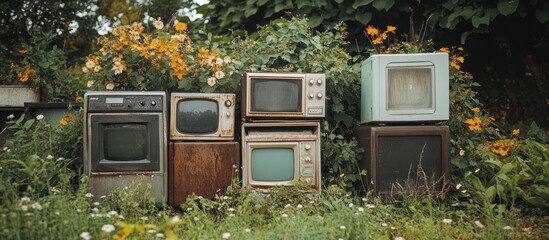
(477, 20)
(359, 3)
(363, 18)
(506, 7)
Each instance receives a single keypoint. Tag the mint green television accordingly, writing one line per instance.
(280, 154)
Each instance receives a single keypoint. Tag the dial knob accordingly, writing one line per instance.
(307, 159)
(319, 81)
(319, 95)
(142, 103)
(307, 147)
(228, 103)
(153, 103)
(308, 180)
(228, 114)
(311, 82)
(311, 96)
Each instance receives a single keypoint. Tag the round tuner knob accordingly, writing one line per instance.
(319, 95)
(228, 103)
(311, 82)
(142, 103)
(307, 159)
(228, 114)
(307, 147)
(319, 81)
(311, 96)
(153, 103)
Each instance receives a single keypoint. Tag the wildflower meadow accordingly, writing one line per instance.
(500, 173)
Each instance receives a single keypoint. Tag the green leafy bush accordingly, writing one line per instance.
(42, 66)
(30, 161)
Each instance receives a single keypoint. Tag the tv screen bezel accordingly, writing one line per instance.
(250, 146)
(368, 138)
(153, 160)
(226, 122)
(248, 112)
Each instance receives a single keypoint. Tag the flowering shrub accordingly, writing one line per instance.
(42, 67)
(132, 59)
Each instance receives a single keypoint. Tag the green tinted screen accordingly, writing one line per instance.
(272, 164)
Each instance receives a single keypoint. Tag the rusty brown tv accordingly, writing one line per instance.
(400, 159)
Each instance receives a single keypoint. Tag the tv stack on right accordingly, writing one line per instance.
(404, 100)
(281, 114)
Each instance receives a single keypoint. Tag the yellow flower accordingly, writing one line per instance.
(515, 132)
(460, 59)
(14, 65)
(63, 122)
(377, 41)
(372, 31)
(455, 65)
(180, 26)
(502, 147)
(460, 48)
(444, 49)
(391, 29)
(475, 110)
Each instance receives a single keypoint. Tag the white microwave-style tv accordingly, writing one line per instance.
(405, 88)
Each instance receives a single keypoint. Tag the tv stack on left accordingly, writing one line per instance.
(203, 155)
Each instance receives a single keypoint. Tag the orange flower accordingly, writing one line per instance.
(515, 132)
(444, 49)
(180, 26)
(372, 31)
(391, 29)
(476, 109)
(22, 51)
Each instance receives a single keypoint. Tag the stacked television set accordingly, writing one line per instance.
(281, 114)
(125, 142)
(404, 100)
(203, 156)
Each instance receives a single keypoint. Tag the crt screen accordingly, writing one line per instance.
(272, 164)
(409, 88)
(399, 157)
(125, 142)
(197, 116)
(275, 95)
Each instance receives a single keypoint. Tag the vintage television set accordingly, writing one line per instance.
(125, 141)
(405, 158)
(270, 95)
(405, 88)
(280, 154)
(202, 116)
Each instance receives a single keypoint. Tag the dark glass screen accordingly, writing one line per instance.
(197, 116)
(275, 95)
(125, 142)
(399, 157)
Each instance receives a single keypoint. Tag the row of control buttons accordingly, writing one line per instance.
(308, 165)
(318, 82)
(318, 95)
